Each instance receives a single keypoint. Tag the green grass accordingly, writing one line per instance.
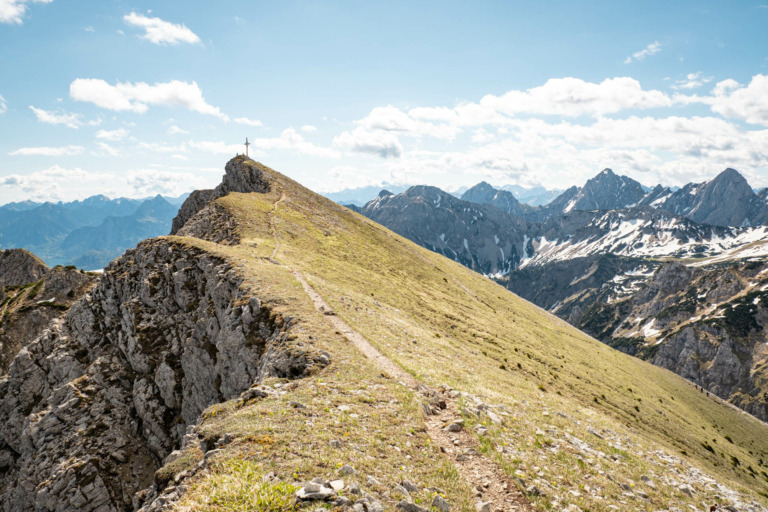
(446, 324)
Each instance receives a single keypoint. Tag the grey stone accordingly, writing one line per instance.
(407, 506)
(440, 504)
(346, 469)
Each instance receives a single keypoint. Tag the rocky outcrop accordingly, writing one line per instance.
(28, 308)
(90, 409)
(213, 223)
(241, 175)
(19, 267)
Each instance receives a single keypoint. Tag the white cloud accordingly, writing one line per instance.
(375, 142)
(692, 81)
(217, 147)
(89, 28)
(290, 139)
(162, 148)
(572, 97)
(113, 135)
(48, 117)
(136, 97)
(748, 103)
(161, 32)
(150, 182)
(48, 151)
(13, 11)
(50, 184)
(108, 150)
(3, 105)
(248, 122)
(175, 130)
(651, 49)
(308, 128)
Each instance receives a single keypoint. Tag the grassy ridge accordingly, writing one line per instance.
(446, 324)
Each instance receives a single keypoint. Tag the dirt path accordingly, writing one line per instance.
(272, 224)
(490, 482)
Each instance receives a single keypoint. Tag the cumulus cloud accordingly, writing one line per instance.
(136, 97)
(113, 135)
(48, 151)
(292, 140)
(309, 128)
(692, 81)
(362, 140)
(748, 103)
(51, 183)
(13, 11)
(175, 130)
(161, 32)
(574, 97)
(248, 122)
(3, 105)
(49, 117)
(651, 49)
(150, 182)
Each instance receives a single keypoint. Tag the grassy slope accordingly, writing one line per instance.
(446, 324)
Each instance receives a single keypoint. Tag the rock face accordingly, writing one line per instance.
(18, 267)
(606, 191)
(479, 236)
(241, 175)
(483, 193)
(91, 408)
(28, 308)
(727, 200)
(706, 324)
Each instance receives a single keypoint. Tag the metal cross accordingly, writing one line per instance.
(246, 146)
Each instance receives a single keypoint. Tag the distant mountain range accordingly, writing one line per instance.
(88, 233)
(534, 196)
(591, 254)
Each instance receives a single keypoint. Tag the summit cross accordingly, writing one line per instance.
(246, 146)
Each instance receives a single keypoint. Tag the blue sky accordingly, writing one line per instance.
(138, 98)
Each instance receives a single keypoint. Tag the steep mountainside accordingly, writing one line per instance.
(726, 200)
(31, 296)
(479, 236)
(717, 316)
(311, 343)
(483, 193)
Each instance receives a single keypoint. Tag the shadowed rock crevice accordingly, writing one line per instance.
(91, 408)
